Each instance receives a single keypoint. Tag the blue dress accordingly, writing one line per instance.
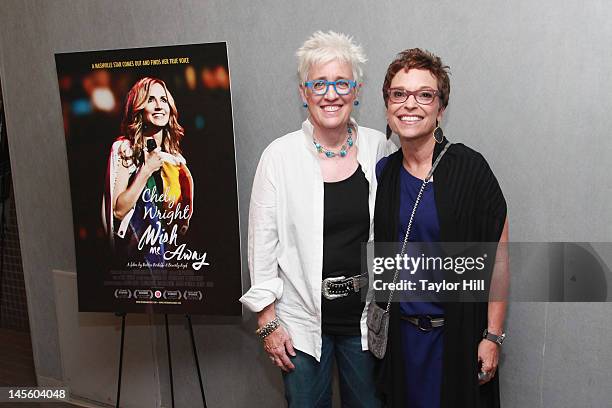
(422, 351)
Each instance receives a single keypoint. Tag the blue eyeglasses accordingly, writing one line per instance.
(321, 86)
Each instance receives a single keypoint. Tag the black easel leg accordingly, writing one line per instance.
(120, 357)
(195, 356)
(169, 361)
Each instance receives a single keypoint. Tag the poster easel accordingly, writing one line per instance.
(193, 348)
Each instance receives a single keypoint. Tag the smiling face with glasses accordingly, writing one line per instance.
(413, 104)
(329, 93)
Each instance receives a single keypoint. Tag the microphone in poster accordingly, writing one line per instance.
(151, 144)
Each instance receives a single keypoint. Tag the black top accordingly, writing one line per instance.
(346, 224)
(471, 208)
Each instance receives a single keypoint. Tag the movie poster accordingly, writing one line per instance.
(150, 146)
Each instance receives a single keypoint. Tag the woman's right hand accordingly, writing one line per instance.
(279, 346)
(152, 161)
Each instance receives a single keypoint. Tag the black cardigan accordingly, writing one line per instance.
(471, 208)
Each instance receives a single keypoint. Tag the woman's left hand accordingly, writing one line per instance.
(488, 357)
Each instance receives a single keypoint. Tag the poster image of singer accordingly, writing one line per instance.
(150, 147)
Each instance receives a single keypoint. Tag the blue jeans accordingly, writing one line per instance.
(309, 385)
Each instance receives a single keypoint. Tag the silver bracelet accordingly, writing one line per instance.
(265, 330)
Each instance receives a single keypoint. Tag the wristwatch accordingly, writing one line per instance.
(499, 340)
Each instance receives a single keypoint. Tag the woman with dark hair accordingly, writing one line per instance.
(438, 354)
(149, 187)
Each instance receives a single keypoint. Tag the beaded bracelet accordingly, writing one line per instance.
(267, 329)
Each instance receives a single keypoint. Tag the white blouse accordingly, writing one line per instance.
(285, 235)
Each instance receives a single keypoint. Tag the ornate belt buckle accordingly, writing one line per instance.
(357, 283)
(326, 291)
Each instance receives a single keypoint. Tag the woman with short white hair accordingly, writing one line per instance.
(311, 209)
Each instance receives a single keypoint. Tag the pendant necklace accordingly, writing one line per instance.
(343, 149)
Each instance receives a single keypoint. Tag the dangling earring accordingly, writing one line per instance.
(356, 102)
(438, 134)
(305, 105)
(389, 132)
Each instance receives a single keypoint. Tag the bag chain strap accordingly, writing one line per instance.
(408, 228)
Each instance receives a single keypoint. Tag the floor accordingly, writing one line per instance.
(17, 367)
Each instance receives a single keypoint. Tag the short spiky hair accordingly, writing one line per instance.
(416, 58)
(325, 47)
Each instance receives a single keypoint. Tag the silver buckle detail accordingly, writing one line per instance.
(325, 288)
(357, 283)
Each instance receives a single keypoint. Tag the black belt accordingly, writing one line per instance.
(337, 287)
(425, 323)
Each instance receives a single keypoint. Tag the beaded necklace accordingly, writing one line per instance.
(343, 150)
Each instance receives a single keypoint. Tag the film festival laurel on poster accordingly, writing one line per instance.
(151, 157)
